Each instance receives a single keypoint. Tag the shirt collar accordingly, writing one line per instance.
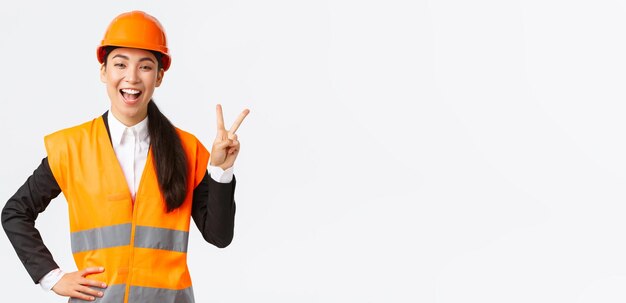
(118, 129)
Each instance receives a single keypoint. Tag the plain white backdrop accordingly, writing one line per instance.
(396, 151)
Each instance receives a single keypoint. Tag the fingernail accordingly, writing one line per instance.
(101, 268)
(100, 294)
(92, 298)
(104, 285)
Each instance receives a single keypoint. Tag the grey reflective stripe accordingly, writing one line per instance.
(140, 294)
(112, 294)
(118, 235)
(103, 237)
(161, 238)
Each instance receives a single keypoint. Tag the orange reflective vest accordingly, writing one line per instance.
(142, 247)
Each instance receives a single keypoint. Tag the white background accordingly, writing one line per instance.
(396, 151)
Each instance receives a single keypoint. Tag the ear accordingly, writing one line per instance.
(160, 75)
(103, 71)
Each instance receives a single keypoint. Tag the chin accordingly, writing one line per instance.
(132, 112)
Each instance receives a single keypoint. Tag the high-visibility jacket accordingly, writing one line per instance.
(142, 247)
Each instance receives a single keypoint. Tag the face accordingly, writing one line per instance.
(130, 75)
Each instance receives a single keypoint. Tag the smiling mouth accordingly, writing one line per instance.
(130, 95)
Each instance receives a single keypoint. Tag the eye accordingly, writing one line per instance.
(119, 65)
(146, 68)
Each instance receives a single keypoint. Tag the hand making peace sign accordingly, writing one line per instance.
(226, 146)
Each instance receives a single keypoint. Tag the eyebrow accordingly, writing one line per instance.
(126, 57)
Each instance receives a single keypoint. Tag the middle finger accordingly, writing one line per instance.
(93, 283)
(237, 122)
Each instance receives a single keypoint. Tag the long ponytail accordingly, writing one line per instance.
(169, 158)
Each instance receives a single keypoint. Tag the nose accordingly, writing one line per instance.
(132, 76)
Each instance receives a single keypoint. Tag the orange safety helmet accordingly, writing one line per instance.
(136, 29)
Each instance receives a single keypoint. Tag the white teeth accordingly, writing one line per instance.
(130, 91)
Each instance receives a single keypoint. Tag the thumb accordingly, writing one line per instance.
(223, 144)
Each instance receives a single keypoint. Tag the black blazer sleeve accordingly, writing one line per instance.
(18, 221)
(213, 210)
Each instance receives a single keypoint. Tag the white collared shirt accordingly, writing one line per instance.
(131, 146)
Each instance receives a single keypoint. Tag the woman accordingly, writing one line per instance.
(132, 182)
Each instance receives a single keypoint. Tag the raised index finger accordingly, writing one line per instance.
(220, 117)
(235, 126)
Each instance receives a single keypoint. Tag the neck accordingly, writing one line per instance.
(126, 120)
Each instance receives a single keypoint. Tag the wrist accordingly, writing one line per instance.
(48, 282)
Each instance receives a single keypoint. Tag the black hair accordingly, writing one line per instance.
(167, 151)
